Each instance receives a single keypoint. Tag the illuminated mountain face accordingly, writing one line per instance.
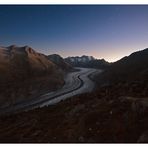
(87, 61)
(82, 59)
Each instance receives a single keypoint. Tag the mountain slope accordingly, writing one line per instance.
(24, 60)
(25, 73)
(59, 61)
(130, 68)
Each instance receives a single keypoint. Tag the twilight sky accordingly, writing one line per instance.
(103, 31)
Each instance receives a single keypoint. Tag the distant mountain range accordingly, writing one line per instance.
(87, 61)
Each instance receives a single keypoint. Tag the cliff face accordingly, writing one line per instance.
(25, 73)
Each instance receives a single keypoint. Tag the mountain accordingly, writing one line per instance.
(130, 68)
(60, 62)
(22, 62)
(111, 113)
(87, 61)
(25, 72)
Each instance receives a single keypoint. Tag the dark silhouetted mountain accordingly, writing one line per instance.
(25, 72)
(60, 62)
(129, 68)
(87, 61)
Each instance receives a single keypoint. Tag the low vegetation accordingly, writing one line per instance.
(109, 114)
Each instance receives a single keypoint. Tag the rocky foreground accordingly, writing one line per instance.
(111, 114)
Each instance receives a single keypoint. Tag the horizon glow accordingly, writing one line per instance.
(102, 31)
